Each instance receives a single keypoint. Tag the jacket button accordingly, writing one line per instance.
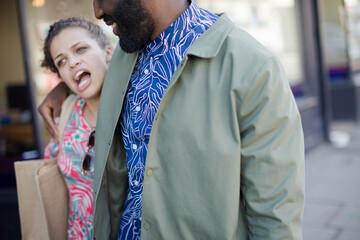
(149, 172)
(147, 226)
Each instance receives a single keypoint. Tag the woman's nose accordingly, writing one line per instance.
(74, 61)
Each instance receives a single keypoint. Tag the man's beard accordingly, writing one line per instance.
(134, 23)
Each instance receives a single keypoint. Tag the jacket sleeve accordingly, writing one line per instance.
(272, 155)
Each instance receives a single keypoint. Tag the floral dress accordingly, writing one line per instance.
(80, 186)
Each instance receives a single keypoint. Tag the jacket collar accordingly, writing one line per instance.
(218, 32)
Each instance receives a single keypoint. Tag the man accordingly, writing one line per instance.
(198, 134)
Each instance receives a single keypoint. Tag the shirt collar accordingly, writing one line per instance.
(175, 32)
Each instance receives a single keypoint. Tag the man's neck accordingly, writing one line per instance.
(165, 12)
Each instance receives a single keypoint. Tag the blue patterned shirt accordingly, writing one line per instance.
(153, 71)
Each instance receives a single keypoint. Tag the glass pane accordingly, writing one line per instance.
(333, 24)
(272, 22)
(353, 29)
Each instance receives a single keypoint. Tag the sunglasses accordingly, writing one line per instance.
(87, 164)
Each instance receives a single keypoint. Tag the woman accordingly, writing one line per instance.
(79, 52)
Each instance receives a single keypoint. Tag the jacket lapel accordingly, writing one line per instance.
(112, 97)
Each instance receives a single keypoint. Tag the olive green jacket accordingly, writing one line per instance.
(226, 154)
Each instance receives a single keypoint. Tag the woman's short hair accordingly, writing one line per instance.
(74, 22)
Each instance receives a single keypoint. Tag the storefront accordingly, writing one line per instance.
(340, 34)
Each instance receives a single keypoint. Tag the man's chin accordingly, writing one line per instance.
(128, 46)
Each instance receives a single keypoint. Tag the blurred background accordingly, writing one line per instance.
(318, 43)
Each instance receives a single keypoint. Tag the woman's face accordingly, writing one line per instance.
(81, 62)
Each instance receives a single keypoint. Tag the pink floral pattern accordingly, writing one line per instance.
(73, 149)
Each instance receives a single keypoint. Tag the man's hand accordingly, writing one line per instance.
(50, 108)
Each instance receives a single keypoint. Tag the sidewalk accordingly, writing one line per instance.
(332, 207)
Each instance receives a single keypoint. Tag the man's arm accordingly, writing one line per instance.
(272, 168)
(50, 108)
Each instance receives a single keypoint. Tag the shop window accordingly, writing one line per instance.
(352, 14)
(272, 22)
(16, 131)
(333, 24)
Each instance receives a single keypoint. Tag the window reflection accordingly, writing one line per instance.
(274, 23)
(353, 30)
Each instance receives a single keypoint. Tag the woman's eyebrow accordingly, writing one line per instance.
(73, 46)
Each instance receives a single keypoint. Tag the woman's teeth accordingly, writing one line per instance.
(78, 74)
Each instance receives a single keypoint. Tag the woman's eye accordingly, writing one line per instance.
(60, 63)
(81, 49)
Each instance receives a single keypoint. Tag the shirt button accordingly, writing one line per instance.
(137, 108)
(146, 71)
(149, 172)
(147, 226)
(134, 146)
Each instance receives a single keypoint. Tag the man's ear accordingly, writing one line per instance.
(109, 52)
